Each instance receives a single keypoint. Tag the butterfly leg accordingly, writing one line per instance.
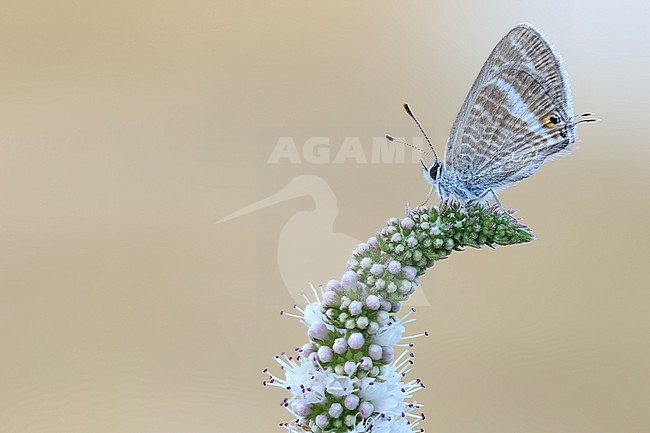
(496, 200)
(429, 195)
(478, 199)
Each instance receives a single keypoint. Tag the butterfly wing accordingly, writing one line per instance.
(517, 114)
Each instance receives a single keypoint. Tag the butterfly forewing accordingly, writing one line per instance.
(517, 114)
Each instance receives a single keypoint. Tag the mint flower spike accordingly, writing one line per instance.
(347, 379)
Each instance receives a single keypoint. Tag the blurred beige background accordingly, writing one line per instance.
(127, 129)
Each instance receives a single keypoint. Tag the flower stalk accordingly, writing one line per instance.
(348, 378)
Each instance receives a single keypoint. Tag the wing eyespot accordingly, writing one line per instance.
(552, 120)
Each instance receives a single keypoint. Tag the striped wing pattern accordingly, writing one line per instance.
(516, 115)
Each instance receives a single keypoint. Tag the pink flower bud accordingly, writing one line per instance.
(350, 368)
(387, 353)
(407, 223)
(353, 264)
(335, 410)
(333, 285)
(382, 318)
(322, 420)
(325, 353)
(350, 280)
(329, 298)
(366, 263)
(373, 302)
(351, 402)
(318, 331)
(365, 409)
(377, 269)
(361, 249)
(355, 308)
(356, 340)
(394, 267)
(374, 351)
(306, 349)
(409, 272)
(340, 346)
(365, 363)
(302, 408)
(372, 242)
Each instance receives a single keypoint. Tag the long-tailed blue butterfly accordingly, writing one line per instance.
(517, 115)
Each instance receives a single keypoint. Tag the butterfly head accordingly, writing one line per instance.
(432, 174)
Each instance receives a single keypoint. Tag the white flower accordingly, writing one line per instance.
(389, 334)
(359, 428)
(303, 379)
(385, 395)
(374, 395)
(391, 425)
(312, 313)
(338, 385)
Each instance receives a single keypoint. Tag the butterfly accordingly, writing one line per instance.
(517, 115)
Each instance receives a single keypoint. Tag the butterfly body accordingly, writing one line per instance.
(517, 115)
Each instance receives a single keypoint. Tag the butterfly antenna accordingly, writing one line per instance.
(391, 138)
(410, 113)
